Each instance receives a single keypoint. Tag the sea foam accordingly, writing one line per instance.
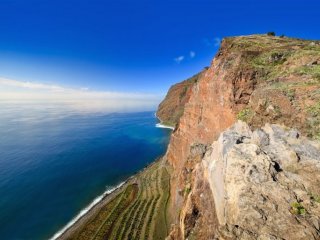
(159, 125)
(85, 210)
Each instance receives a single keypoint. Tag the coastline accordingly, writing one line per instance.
(161, 125)
(95, 205)
(102, 199)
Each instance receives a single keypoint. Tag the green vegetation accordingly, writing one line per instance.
(271, 33)
(314, 121)
(168, 123)
(290, 93)
(271, 59)
(275, 57)
(160, 231)
(297, 209)
(314, 110)
(277, 111)
(312, 70)
(137, 212)
(313, 126)
(314, 197)
(245, 114)
(187, 189)
(101, 224)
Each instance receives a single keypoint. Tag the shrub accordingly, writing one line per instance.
(297, 209)
(271, 34)
(314, 110)
(315, 198)
(245, 114)
(187, 190)
(290, 93)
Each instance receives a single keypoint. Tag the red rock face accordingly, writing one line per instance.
(240, 76)
(172, 107)
(208, 112)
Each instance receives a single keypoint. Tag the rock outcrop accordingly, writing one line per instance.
(265, 184)
(258, 79)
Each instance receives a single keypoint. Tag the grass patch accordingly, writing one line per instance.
(297, 208)
(245, 114)
(314, 110)
(314, 122)
(311, 70)
(314, 197)
(313, 127)
(187, 190)
(271, 58)
(160, 228)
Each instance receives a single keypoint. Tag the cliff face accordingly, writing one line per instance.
(257, 79)
(172, 107)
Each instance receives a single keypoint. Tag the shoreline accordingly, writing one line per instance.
(97, 204)
(161, 125)
(102, 199)
(87, 210)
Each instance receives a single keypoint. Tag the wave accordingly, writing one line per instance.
(160, 125)
(85, 210)
(97, 199)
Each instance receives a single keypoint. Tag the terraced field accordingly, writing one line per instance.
(136, 212)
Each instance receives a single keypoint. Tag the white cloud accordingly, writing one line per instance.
(83, 98)
(192, 54)
(214, 42)
(179, 59)
(29, 85)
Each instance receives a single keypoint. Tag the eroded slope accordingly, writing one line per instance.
(259, 79)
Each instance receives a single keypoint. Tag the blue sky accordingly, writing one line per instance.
(140, 46)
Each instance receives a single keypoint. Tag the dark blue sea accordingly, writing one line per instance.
(54, 162)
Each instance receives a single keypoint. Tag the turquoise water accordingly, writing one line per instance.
(54, 162)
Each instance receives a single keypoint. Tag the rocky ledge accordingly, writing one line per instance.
(265, 183)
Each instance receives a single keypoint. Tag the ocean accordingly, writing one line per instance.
(55, 162)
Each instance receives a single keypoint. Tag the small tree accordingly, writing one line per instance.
(271, 34)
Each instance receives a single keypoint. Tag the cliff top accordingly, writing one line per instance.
(277, 56)
(276, 80)
(287, 80)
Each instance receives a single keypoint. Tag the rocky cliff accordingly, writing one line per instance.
(263, 182)
(172, 107)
